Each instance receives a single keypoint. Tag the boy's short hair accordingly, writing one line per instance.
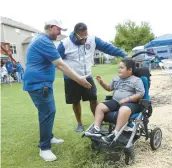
(129, 63)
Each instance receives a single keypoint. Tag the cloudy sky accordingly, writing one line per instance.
(101, 16)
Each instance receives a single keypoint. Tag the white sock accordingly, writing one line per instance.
(115, 132)
(97, 128)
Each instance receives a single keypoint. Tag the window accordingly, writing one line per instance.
(13, 49)
(17, 31)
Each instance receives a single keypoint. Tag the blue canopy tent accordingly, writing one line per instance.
(164, 40)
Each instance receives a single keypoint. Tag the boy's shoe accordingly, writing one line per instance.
(108, 139)
(93, 132)
(47, 155)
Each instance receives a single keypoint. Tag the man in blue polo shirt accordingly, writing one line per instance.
(42, 58)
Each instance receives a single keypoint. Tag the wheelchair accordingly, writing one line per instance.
(134, 129)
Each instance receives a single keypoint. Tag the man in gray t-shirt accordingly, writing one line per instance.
(126, 87)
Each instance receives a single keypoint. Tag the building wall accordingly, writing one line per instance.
(15, 37)
(24, 51)
(2, 33)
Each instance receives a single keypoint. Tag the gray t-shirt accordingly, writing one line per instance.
(125, 87)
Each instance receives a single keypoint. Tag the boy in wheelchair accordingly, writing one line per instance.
(128, 90)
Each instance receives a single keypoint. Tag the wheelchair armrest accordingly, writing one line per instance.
(145, 103)
(108, 97)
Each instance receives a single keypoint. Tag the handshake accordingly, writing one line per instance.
(83, 81)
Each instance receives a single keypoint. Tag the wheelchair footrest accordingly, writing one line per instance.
(125, 136)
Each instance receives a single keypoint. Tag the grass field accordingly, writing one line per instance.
(20, 134)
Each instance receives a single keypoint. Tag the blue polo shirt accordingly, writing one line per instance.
(18, 67)
(40, 71)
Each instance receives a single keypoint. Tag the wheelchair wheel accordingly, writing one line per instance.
(155, 138)
(129, 155)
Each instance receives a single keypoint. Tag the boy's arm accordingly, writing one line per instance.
(105, 86)
(135, 97)
(108, 87)
(140, 91)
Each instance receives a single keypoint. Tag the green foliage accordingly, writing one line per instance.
(116, 60)
(130, 35)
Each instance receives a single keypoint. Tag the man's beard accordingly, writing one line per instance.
(53, 37)
(78, 42)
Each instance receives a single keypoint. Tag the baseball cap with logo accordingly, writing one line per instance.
(57, 23)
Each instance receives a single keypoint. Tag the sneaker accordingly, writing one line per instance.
(56, 141)
(93, 132)
(128, 129)
(108, 139)
(47, 155)
(80, 128)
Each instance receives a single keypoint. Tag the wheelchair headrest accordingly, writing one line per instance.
(142, 72)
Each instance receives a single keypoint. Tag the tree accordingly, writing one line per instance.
(130, 35)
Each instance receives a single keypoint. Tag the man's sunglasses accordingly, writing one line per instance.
(81, 38)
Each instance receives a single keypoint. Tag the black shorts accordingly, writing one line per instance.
(114, 106)
(75, 92)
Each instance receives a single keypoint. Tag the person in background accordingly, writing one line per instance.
(9, 67)
(19, 72)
